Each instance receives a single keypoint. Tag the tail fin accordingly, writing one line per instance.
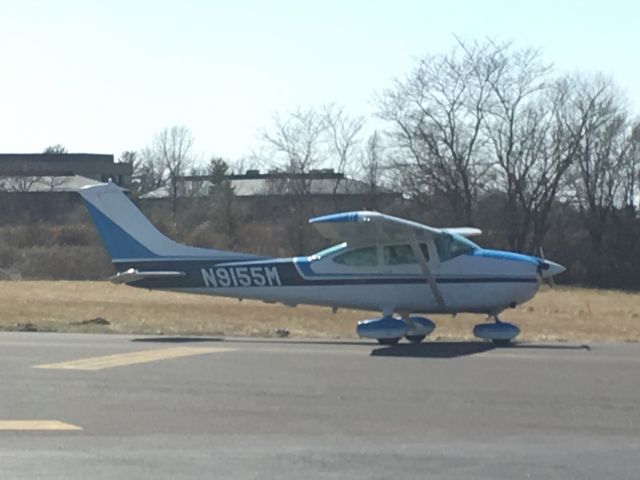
(128, 235)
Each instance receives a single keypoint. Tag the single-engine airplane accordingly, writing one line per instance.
(396, 266)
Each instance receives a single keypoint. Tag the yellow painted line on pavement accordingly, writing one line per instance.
(132, 358)
(25, 425)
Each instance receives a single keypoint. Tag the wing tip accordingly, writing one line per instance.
(336, 218)
(345, 217)
(464, 231)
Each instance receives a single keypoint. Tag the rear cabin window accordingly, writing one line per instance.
(359, 257)
(449, 246)
(402, 254)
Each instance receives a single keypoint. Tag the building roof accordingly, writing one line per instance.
(274, 184)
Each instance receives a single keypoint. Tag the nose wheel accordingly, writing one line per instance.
(500, 333)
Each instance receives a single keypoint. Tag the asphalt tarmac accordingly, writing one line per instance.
(78, 406)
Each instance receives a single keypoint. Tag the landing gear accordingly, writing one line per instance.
(415, 338)
(500, 333)
(388, 330)
(419, 328)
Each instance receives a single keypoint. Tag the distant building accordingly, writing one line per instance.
(39, 169)
(323, 182)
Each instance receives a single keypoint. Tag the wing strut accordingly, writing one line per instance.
(426, 271)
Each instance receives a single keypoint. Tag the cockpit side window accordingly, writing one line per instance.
(359, 257)
(451, 246)
(402, 254)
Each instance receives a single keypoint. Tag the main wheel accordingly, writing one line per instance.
(502, 342)
(415, 338)
(388, 341)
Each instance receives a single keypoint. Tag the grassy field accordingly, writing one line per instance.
(560, 314)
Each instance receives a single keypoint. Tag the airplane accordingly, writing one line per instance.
(398, 267)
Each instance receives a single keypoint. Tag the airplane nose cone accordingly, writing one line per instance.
(551, 268)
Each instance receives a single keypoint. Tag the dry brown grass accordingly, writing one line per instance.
(561, 314)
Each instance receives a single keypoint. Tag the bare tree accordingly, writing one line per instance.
(19, 183)
(165, 162)
(602, 156)
(371, 167)
(241, 165)
(297, 145)
(149, 173)
(631, 185)
(519, 123)
(24, 184)
(128, 156)
(343, 132)
(174, 145)
(373, 161)
(570, 117)
(437, 114)
(56, 149)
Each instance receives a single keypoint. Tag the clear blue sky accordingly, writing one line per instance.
(105, 76)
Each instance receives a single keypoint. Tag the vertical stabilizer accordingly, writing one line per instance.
(128, 235)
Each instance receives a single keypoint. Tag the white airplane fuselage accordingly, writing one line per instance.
(478, 281)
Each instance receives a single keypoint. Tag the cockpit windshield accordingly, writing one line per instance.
(452, 245)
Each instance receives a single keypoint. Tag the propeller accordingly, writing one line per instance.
(547, 269)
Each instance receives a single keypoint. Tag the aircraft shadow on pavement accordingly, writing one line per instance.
(460, 349)
(433, 349)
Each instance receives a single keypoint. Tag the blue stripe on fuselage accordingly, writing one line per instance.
(287, 275)
(502, 255)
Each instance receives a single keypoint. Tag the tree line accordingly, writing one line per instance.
(487, 134)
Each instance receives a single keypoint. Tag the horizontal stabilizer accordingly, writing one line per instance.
(133, 275)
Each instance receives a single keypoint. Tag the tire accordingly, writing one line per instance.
(415, 338)
(388, 341)
(502, 343)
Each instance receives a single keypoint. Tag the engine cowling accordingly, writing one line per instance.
(385, 327)
(496, 331)
(421, 326)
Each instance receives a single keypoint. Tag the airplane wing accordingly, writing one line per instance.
(375, 227)
(133, 275)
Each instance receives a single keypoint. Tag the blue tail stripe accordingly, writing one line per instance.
(119, 244)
